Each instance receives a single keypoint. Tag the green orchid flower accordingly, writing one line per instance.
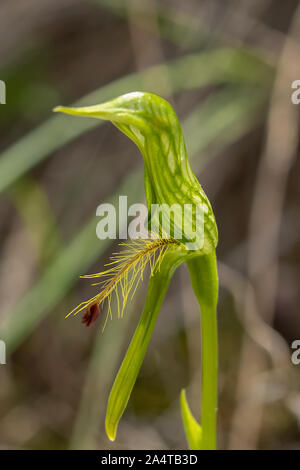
(178, 207)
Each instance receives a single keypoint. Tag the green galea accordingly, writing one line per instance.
(170, 183)
(171, 186)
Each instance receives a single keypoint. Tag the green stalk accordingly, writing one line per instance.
(204, 279)
(125, 380)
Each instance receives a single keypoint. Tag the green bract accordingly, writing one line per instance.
(152, 124)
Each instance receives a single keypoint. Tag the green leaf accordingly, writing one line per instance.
(193, 430)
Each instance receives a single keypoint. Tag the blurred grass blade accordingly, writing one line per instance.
(177, 27)
(125, 380)
(36, 212)
(192, 428)
(61, 274)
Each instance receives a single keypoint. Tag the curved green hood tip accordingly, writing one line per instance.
(151, 123)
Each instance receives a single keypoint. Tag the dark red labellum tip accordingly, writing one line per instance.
(91, 314)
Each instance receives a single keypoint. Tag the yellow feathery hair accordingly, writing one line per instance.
(123, 277)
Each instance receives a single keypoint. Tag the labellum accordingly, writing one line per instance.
(92, 312)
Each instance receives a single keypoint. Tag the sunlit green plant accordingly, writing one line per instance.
(153, 126)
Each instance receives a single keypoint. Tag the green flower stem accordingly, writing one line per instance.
(204, 279)
(125, 380)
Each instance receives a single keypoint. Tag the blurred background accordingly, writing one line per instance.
(227, 68)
